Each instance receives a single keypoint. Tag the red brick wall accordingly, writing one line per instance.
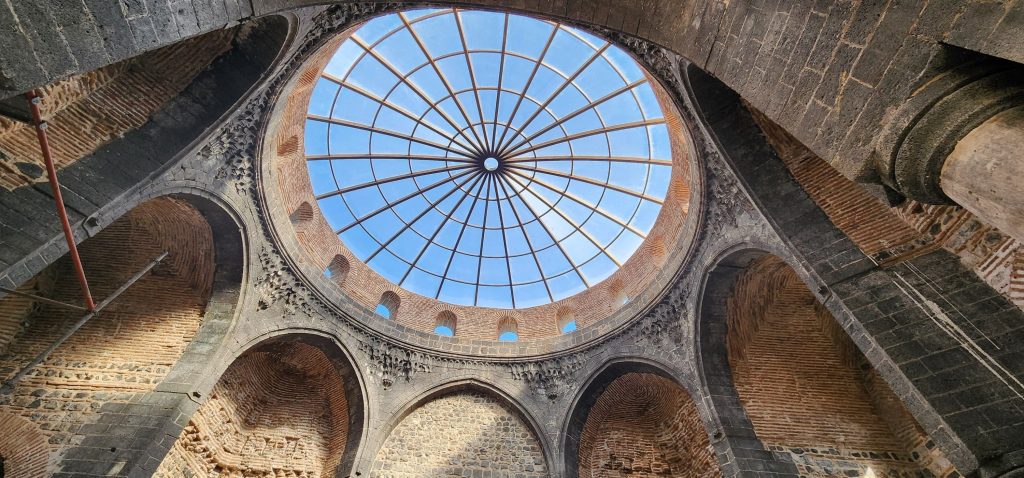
(644, 425)
(132, 344)
(891, 234)
(279, 410)
(807, 389)
(88, 110)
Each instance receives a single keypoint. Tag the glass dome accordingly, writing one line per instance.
(486, 159)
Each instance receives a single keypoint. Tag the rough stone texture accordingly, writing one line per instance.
(748, 201)
(276, 411)
(129, 347)
(643, 425)
(461, 434)
(86, 111)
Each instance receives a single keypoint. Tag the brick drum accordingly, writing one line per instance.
(264, 418)
(461, 434)
(127, 349)
(320, 246)
(644, 425)
(807, 389)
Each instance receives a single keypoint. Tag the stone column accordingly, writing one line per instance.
(960, 140)
(985, 172)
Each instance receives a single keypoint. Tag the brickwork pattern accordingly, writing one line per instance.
(893, 234)
(133, 343)
(803, 383)
(86, 111)
(644, 426)
(458, 435)
(320, 245)
(277, 411)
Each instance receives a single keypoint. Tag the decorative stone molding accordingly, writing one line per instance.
(390, 362)
(550, 378)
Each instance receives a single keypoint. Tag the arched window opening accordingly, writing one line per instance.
(566, 320)
(444, 324)
(618, 293)
(388, 305)
(301, 215)
(337, 270)
(508, 330)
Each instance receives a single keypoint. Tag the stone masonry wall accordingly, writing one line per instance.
(126, 349)
(88, 110)
(806, 388)
(893, 234)
(644, 426)
(458, 435)
(277, 411)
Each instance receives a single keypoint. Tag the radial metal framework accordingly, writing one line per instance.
(485, 158)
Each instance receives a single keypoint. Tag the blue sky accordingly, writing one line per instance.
(408, 108)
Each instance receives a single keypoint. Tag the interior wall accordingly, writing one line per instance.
(808, 390)
(86, 111)
(464, 433)
(644, 425)
(912, 228)
(126, 349)
(278, 410)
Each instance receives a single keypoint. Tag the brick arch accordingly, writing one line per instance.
(141, 339)
(23, 447)
(263, 417)
(463, 426)
(391, 301)
(785, 377)
(565, 316)
(338, 269)
(507, 323)
(634, 418)
(447, 318)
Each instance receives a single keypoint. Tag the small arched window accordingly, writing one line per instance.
(566, 320)
(301, 215)
(618, 292)
(508, 329)
(337, 270)
(444, 324)
(388, 305)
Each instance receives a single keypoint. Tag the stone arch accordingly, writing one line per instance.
(150, 335)
(474, 427)
(816, 402)
(634, 417)
(446, 318)
(262, 416)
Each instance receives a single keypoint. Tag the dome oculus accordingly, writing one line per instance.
(486, 159)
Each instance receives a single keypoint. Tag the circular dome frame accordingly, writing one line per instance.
(464, 161)
(304, 240)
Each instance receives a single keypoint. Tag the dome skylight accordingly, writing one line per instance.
(484, 158)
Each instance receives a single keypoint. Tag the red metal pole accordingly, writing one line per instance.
(44, 144)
